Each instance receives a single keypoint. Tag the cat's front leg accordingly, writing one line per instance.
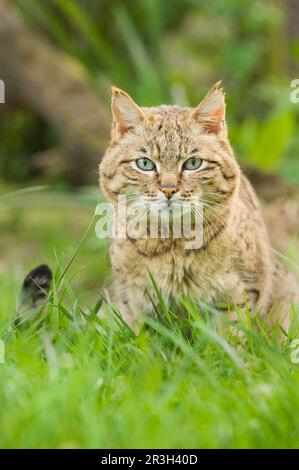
(132, 302)
(242, 303)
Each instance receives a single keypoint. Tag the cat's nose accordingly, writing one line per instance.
(169, 190)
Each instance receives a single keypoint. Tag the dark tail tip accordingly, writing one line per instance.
(36, 287)
(39, 279)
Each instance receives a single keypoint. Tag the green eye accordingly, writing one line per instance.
(145, 164)
(192, 163)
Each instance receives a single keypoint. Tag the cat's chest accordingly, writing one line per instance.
(193, 275)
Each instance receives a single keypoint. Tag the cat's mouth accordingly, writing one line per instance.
(169, 205)
(175, 208)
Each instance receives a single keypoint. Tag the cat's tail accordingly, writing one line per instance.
(36, 287)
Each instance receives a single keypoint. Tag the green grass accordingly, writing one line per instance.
(72, 380)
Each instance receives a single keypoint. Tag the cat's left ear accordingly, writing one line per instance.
(211, 110)
(126, 113)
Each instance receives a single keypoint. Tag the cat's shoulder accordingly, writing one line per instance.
(248, 193)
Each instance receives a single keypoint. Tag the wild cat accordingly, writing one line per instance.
(162, 158)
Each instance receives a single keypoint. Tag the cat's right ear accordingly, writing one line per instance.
(126, 113)
(211, 110)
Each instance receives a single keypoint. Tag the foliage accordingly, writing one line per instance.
(73, 380)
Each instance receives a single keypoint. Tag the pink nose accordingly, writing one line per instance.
(169, 190)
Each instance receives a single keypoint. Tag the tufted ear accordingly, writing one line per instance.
(211, 110)
(126, 113)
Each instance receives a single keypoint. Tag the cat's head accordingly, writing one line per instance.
(164, 156)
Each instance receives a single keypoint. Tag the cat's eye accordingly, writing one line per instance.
(192, 163)
(145, 164)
